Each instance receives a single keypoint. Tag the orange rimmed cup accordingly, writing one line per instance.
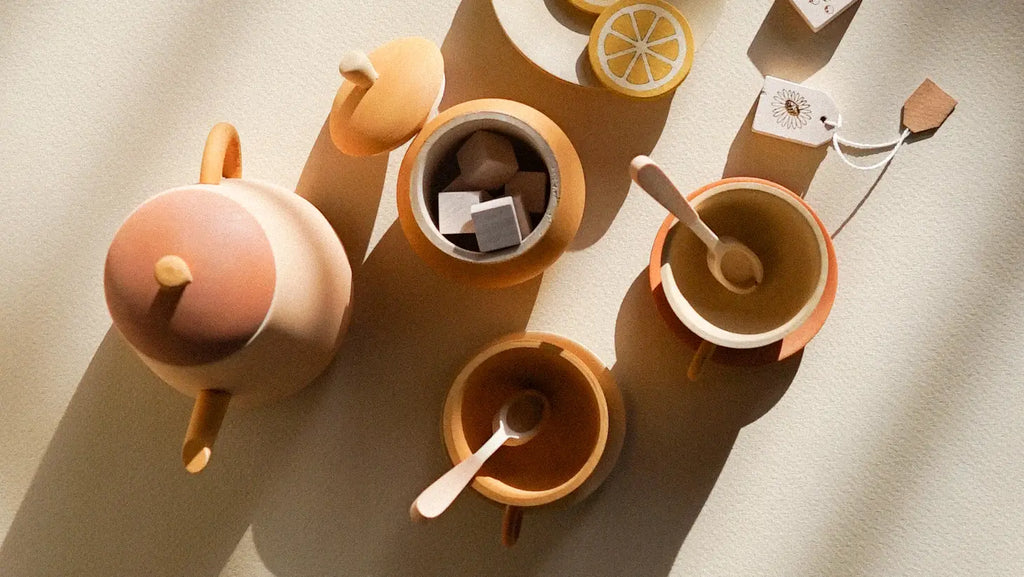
(790, 305)
(576, 447)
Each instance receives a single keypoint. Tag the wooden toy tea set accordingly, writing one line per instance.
(238, 291)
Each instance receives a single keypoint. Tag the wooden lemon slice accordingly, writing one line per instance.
(641, 48)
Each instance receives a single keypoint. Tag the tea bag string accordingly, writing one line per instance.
(838, 141)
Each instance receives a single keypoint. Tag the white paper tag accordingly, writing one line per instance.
(795, 113)
(818, 13)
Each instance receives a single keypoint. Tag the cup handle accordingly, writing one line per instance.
(222, 155)
(511, 523)
(704, 352)
(207, 416)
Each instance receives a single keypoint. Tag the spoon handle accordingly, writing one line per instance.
(656, 183)
(441, 493)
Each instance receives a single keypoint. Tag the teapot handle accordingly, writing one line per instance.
(704, 352)
(511, 523)
(222, 155)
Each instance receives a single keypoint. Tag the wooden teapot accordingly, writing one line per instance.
(230, 290)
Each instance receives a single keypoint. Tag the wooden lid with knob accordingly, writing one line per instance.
(189, 277)
(387, 97)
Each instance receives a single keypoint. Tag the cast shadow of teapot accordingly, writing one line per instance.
(606, 129)
(110, 496)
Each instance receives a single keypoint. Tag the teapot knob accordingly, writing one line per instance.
(172, 271)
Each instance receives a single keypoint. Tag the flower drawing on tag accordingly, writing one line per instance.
(790, 109)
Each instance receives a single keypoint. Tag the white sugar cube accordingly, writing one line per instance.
(453, 211)
(486, 161)
(531, 188)
(497, 225)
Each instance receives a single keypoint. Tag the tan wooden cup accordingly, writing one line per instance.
(578, 442)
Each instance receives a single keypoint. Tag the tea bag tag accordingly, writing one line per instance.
(927, 108)
(795, 113)
(818, 13)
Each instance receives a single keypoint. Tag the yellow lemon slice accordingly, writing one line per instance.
(641, 48)
(592, 6)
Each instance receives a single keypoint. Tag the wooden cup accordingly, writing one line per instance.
(577, 444)
(800, 275)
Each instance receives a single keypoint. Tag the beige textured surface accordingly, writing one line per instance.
(893, 446)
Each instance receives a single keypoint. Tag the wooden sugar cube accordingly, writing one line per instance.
(531, 188)
(453, 211)
(497, 224)
(486, 161)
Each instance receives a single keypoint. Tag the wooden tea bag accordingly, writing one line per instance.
(804, 115)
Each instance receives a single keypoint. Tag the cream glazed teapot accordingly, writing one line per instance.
(231, 290)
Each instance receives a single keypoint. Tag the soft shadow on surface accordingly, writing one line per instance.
(878, 179)
(607, 130)
(787, 163)
(374, 441)
(786, 47)
(346, 189)
(377, 445)
(679, 438)
(111, 496)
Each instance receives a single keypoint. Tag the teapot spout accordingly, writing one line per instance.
(207, 416)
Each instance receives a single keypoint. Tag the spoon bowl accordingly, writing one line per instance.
(522, 416)
(734, 265)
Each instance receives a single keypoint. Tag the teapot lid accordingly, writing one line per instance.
(190, 276)
(387, 96)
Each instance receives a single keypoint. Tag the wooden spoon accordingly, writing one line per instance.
(516, 423)
(731, 262)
